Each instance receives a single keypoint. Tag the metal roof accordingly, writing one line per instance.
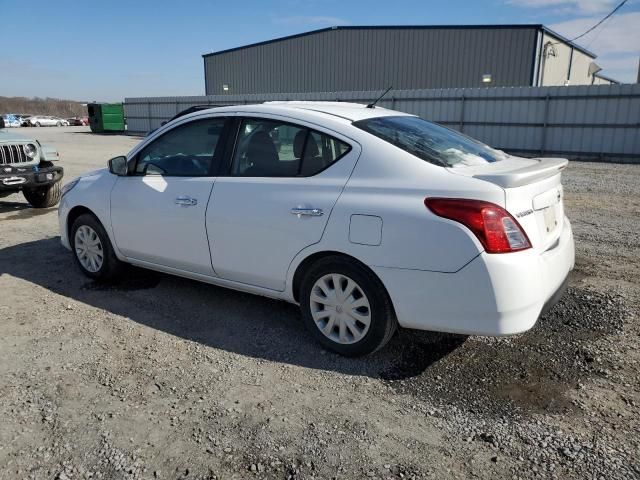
(604, 77)
(567, 41)
(412, 27)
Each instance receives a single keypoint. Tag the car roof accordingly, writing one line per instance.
(347, 112)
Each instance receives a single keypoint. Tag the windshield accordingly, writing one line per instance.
(430, 142)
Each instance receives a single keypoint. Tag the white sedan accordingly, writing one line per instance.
(47, 121)
(367, 218)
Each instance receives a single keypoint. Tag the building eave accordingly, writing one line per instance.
(563, 39)
(385, 27)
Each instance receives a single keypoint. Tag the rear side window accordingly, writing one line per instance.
(320, 151)
(431, 142)
(270, 148)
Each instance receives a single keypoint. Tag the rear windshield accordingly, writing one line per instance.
(430, 142)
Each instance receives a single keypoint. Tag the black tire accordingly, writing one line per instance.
(383, 322)
(111, 267)
(37, 124)
(43, 197)
(59, 124)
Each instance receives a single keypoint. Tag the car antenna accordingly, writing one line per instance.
(373, 104)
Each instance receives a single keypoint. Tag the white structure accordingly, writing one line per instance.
(561, 62)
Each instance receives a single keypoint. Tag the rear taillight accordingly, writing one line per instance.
(496, 229)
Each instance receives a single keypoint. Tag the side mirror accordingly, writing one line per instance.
(118, 166)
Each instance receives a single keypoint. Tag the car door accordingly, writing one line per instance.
(158, 211)
(275, 199)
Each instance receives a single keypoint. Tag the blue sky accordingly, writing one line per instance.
(104, 51)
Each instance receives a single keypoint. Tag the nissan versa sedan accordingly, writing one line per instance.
(367, 218)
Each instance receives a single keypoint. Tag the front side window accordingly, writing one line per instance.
(430, 142)
(269, 148)
(186, 151)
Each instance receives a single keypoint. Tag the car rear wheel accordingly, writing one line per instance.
(93, 250)
(346, 307)
(59, 124)
(43, 197)
(38, 124)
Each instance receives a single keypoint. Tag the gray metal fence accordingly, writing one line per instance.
(600, 122)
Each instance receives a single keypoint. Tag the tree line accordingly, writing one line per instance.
(42, 106)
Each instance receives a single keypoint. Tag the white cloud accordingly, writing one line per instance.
(616, 42)
(566, 6)
(303, 20)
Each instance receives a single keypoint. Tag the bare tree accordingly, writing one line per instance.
(42, 106)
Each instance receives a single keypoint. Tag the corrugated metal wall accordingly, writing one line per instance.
(359, 59)
(589, 122)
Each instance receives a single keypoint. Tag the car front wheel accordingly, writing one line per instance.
(43, 197)
(93, 250)
(346, 307)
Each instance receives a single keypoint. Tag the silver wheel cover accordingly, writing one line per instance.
(340, 308)
(89, 248)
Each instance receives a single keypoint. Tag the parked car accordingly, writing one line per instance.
(47, 121)
(22, 118)
(187, 111)
(367, 218)
(78, 121)
(27, 166)
(10, 120)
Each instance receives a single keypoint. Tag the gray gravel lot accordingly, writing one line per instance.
(162, 377)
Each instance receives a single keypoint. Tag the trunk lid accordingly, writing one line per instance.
(533, 194)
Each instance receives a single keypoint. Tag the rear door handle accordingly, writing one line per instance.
(186, 201)
(310, 212)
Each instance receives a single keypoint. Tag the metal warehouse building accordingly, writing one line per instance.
(405, 57)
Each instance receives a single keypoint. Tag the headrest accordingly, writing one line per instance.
(261, 146)
(298, 145)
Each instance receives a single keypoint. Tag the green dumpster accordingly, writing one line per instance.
(106, 117)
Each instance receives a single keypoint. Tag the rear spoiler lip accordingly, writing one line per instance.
(547, 167)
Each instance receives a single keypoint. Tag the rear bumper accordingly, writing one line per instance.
(555, 298)
(492, 295)
(29, 177)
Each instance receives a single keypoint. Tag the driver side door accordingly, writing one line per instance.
(158, 210)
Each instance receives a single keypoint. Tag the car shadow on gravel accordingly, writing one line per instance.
(8, 207)
(527, 373)
(218, 317)
(21, 210)
(533, 372)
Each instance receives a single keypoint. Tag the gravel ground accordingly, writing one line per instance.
(162, 377)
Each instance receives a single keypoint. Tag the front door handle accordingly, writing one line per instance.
(311, 212)
(186, 201)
